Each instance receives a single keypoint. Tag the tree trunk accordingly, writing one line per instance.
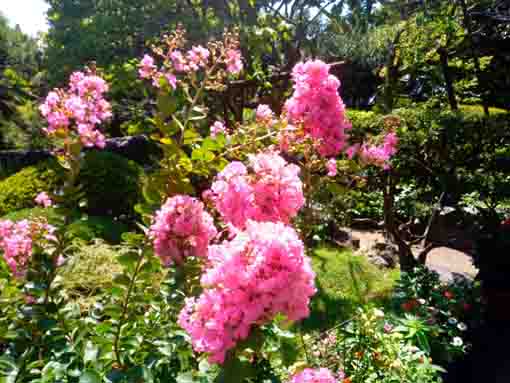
(469, 27)
(450, 90)
(391, 74)
(405, 254)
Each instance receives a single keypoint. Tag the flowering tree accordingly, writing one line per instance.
(238, 261)
(255, 265)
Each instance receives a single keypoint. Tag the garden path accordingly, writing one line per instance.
(444, 260)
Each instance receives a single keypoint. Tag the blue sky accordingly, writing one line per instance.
(29, 14)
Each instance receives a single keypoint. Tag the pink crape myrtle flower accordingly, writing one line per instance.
(352, 150)
(318, 108)
(197, 57)
(78, 110)
(43, 199)
(277, 188)
(262, 272)
(380, 155)
(217, 128)
(331, 166)
(234, 61)
(308, 375)
(264, 114)
(147, 67)
(181, 229)
(232, 194)
(179, 61)
(272, 191)
(17, 240)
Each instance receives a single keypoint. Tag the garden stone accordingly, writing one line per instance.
(383, 254)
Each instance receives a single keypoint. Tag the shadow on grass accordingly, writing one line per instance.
(344, 281)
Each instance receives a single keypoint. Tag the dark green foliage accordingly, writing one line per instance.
(455, 152)
(110, 183)
(92, 227)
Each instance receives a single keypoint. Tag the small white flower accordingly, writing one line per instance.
(452, 321)
(422, 301)
(378, 313)
(462, 326)
(457, 341)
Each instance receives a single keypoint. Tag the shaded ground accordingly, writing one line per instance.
(443, 260)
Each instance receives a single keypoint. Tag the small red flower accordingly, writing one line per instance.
(506, 222)
(409, 305)
(448, 294)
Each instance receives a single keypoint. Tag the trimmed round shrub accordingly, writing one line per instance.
(110, 183)
(19, 190)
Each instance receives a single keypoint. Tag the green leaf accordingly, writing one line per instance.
(235, 371)
(166, 104)
(91, 352)
(191, 136)
(186, 377)
(121, 279)
(90, 376)
(128, 259)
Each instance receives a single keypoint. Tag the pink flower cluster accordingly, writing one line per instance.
(43, 199)
(380, 155)
(191, 61)
(234, 61)
(217, 128)
(308, 375)
(271, 192)
(331, 166)
(81, 107)
(17, 240)
(317, 106)
(181, 229)
(263, 271)
(264, 114)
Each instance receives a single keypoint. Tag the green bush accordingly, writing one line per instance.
(89, 271)
(110, 182)
(443, 151)
(86, 229)
(92, 227)
(35, 212)
(20, 189)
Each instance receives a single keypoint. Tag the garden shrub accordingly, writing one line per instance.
(373, 347)
(440, 150)
(90, 270)
(92, 227)
(19, 190)
(86, 229)
(50, 214)
(110, 182)
(453, 308)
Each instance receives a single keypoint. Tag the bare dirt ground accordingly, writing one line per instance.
(444, 260)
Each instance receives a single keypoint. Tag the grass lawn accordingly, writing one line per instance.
(345, 281)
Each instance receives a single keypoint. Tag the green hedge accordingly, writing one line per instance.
(110, 182)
